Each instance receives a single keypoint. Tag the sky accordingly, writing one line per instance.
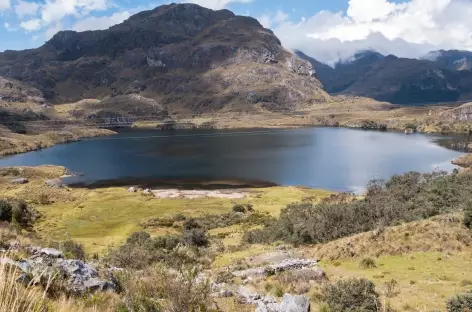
(328, 30)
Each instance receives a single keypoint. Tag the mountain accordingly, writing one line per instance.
(401, 80)
(452, 59)
(345, 73)
(184, 57)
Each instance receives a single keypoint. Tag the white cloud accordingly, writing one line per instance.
(53, 11)
(52, 30)
(406, 29)
(4, 4)
(269, 21)
(217, 4)
(9, 27)
(265, 20)
(26, 8)
(104, 22)
(280, 17)
(31, 25)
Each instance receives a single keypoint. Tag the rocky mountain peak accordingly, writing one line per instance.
(179, 54)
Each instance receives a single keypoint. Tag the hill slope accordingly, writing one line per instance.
(186, 57)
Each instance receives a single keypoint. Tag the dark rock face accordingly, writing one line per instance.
(185, 57)
(401, 80)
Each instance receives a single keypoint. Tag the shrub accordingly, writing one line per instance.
(179, 217)
(403, 198)
(367, 263)
(391, 288)
(22, 215)
(141, 250)
(196, 237)
(161, 289)
(138, 238)
(468, 216)
(192, 223)
(239, 208)
(5, 210)
(73, 250)
(352, 295)
(460, 303)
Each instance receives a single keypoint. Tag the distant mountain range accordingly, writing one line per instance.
(441, 76)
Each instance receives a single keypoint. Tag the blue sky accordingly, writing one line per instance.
(326, 29)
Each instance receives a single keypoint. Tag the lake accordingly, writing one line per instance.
(336, 159)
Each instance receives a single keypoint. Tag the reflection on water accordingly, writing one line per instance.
(330, 158)
(461, 143)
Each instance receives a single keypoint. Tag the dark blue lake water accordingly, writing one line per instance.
(329, 158)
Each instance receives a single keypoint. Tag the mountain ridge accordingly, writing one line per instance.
(444, 76)
(186, 57)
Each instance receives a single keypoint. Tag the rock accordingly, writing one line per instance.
(285, 265)
(55, 183)
(289, 304)
(83, 277)
(51, 253)
(147, 192)
(78, 276)
(19, 181)
(132, 189)
(301, 67)
(409, 131)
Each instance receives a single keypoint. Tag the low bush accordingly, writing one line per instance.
(213, 221)
(5, 210)
(159, 288)
(391, 288)
(17, 212)
(140, 250)
(468, 216)
(460, 303)
(179, 217)
(239, 208)
(352, 295)
(403, 198)
(367, 263)
(196, 237)
(70, 248)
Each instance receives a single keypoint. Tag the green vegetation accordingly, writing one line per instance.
(403, 198)
(16, 212)
(468, 216)
(367, 263)
(352, 295)
(460, 303)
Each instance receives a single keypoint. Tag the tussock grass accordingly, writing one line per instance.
(14, 297)
(443, 233)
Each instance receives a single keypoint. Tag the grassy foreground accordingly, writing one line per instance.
(416, 266)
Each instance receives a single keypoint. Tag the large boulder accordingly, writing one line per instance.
(78, 276)
(264, 303)
(289, 304)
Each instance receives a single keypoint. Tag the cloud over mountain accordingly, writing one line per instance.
(408, 29)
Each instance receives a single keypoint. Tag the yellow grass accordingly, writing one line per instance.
(14, 297)
(426, 280)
